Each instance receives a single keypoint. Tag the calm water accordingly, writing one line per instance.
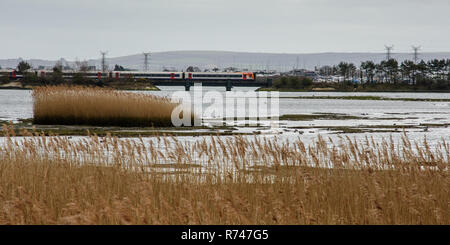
(16, 104)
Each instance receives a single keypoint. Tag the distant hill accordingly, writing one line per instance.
(180, 60)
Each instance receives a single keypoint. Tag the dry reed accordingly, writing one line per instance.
(235, 180)
(64, 105)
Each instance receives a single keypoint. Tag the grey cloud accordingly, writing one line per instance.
(52, 29)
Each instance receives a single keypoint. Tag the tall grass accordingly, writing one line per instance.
(160, 180)
(66, 105)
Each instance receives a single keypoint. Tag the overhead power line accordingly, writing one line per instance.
(146, 55)
(388, 51)
(103, 53)
(416, 53)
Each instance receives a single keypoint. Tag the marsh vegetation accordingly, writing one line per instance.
(215, 180)
(77, 105)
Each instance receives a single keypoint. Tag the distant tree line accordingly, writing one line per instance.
(390, 71)
(292, 82)
(387, 75)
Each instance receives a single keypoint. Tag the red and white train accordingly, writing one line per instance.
(197, 76)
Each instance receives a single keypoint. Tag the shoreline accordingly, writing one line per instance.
(356, 91)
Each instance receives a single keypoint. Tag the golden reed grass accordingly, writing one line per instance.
(66, 105)
(234, 180)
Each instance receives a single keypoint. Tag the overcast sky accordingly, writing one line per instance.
(51, 29)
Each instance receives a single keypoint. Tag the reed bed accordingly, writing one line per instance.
(215, 180)
(77, 105)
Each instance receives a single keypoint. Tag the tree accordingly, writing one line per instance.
(408, 69)
(379, 72)
(81, 66)
(58, 68)
(343, 68)
(351, 71)
(325, 70)
(23, 66)
(306, 82)
(335, 70)
(442, 68)
(281, 83)
(118, 68)
(193, 69)
(447, 68)
(369, 68)
(437, 67)
(422, 68)
(392, 66)
(230, 69)
(390, 69)
(294, 82)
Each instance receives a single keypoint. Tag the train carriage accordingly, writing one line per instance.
(195, 76)
(220, 76)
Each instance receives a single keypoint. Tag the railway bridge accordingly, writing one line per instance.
(228, 84)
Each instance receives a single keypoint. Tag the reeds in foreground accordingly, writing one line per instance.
(76, 105)
(159, 180)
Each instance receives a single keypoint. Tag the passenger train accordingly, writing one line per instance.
(196, 76)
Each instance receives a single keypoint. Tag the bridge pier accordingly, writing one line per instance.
(229, 85)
